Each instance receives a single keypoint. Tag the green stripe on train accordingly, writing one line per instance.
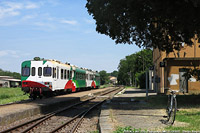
(25, 64)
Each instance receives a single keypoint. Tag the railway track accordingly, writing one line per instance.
(68, 118)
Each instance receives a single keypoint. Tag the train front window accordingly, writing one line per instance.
(47, 71)
(25, 71)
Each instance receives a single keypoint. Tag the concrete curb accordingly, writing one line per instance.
(105, 121)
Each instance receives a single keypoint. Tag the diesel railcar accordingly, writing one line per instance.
(43, 77)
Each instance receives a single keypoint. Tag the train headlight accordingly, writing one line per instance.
(50, 86)
(46, 83)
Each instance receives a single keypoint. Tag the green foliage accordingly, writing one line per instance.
(127, 129)
(8, 95)
(104, 77)
(162, 24)
(191, 118)
(141, 79)
(114, 73)
(134, 66)
(8, 73)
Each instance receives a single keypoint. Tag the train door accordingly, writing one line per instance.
(54, 77)
(183, 82)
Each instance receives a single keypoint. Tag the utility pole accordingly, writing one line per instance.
(147, 85)
(129, 73)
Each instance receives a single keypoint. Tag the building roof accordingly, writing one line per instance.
(16, 80)
(5, 77)
(9, 78)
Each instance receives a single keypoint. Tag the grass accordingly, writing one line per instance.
(192, 118)
(9, 95)
(128, 129)
(188, 115)
(189, 111)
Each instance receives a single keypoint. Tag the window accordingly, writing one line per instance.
(25, 71)
(68, 74)
(57, 73)
(47, 71)
(65, 74)
(97, 78)
(62, 73)
(39, 71)
(54, 72)
(33, 71)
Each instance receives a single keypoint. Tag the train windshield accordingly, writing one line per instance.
(25, 71)
(47, 71)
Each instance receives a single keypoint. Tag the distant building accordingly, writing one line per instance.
(169, 69)
(7, 81)
(113, 80)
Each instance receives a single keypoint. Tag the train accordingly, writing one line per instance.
(45, 77)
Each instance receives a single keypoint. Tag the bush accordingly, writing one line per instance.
(141, 79)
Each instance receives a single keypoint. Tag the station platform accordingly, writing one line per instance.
(126, 110)
(15, 112)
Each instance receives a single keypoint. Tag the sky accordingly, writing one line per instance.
(55, 29)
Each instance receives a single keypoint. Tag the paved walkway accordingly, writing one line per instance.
(124, 110)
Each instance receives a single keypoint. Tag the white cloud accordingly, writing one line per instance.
(71, 22)
(8, 9)
(10, 53)
(31, 6)
(28, 17)
(46, 26)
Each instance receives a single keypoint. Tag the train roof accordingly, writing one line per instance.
(68, 64)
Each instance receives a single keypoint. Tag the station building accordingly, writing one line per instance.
(7, 81)
(169, 69)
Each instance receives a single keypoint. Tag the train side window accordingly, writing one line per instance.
(57, 73)
(61, 73)
(47, 71)
(65, 74)
(33, 71)
(40, 71)
(71, 74)
(53, 72)
(68, 74)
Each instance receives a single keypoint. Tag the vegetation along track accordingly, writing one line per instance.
(66, 119)
(17, 102)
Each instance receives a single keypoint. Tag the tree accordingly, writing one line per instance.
(163, 24)
(8, 73)
(103, 77)
(114, 73)
(135, 64)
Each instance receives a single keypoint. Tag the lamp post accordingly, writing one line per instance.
(142, 57)
(129, 73)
